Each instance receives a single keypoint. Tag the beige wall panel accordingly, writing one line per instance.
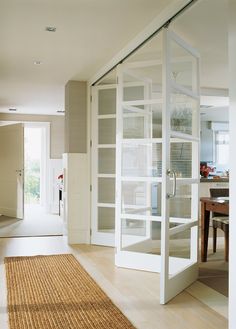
(76, 117)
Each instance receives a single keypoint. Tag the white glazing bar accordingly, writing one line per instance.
(142, 217)
(136, 115)
(184, 90)
(182, 228)
(184, 44)
(106, 205)
(179, 140)
(94, 154)
(141, 179)
(184, 136)
(106, 146)
(119, 136)
(142, 141)
(136, 208)
(185, 181)
(181, 220)
(100, 87)
(106, 116)
(106, 175)
(135, 109)
(142, 102)
(195, 167)
(166, 90)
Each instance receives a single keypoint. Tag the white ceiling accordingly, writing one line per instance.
(89, 33)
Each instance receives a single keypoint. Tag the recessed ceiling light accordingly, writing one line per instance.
(12, 110)
(50, 28)
(37, 62)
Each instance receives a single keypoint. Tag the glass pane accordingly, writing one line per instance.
(141, 198)
(180, 205)
(179, 244)
(133, 92)
(181, 159)
(106, 219)
(107, 101)
(106, 190)
(143, 82)
(142, 121)
(106, 161)
(141, 236)
(183, 110)
(134, 127)
(182, 66)
(142, 160)
(106, 131)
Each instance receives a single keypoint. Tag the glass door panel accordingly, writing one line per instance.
(181, 159)
(139, 165)
(106, 161)
(180, 227)
(157, 163)
(183, 112)
(103, 164)
(142, 160)
(141, 198)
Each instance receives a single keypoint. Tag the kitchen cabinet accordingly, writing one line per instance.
(204, 189)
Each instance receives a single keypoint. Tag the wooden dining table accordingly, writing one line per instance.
(208, 205)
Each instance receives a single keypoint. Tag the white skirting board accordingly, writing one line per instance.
(76, 197)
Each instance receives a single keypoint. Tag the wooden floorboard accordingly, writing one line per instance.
(136, 293)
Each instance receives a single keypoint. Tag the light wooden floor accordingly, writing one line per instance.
(36, 222)
(136, 293)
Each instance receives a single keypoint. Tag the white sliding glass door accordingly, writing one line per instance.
(157, 165)
(103, 157)
(181, 105)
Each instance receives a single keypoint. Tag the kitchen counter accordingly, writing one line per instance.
(215, 180)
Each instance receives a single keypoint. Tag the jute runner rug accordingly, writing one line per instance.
(55, 292)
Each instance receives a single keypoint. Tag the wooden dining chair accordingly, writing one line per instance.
(220, 221)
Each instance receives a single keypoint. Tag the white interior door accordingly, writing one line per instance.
(157, 164)
(103, 159)
(12, 170)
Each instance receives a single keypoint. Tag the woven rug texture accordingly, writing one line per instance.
(55, 292)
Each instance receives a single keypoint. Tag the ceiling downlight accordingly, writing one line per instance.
(50, 28)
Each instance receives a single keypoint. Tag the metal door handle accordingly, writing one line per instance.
(173, 194)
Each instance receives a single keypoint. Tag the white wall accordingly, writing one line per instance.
(232, 122)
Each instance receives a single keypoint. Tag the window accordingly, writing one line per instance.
(222, 147)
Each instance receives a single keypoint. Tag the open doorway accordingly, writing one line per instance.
(37, 219)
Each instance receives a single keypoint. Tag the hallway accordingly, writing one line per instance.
(36, 222)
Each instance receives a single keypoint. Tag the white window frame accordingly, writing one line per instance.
(216, 155)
